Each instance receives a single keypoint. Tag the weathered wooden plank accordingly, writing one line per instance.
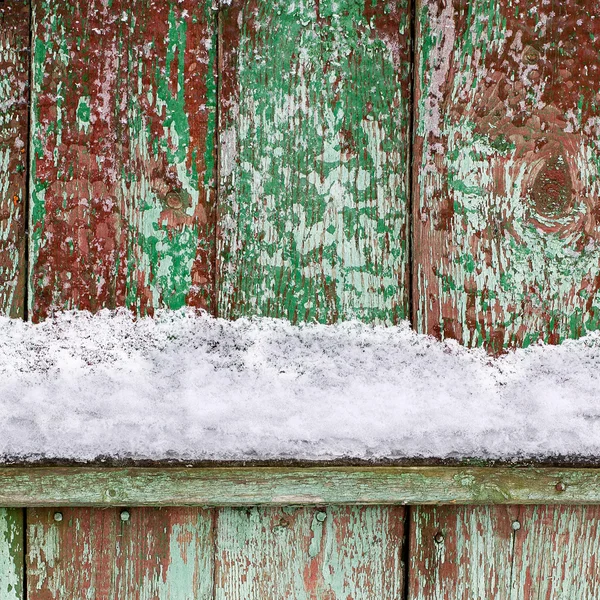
(159, 554)
(316, 486)
(14, 97)
(314, 136)
(12, 537)
(308, 553)
(123, 160)
(522, 553)
(461, 552)
(506, 206)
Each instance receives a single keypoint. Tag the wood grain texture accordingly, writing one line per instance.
(316, 486)
(308, 553)
(313, 135)
(93, 554)
(12, 538)
(481, 555)
(507, 157)
(14, 97)
(123, 157)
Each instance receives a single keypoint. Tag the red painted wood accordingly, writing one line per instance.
(122, 171)
(506, 200)
(14, 95)
(94, 554)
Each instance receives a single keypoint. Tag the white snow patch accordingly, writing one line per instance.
(190, 387)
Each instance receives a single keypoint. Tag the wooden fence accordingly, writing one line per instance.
(317, 160)
(313, 160)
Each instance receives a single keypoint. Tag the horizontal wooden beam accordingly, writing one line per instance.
(246, 486)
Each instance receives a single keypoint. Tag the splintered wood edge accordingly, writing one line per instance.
(280, 486)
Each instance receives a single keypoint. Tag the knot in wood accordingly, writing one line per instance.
(173, 200)
(552, 190)
(530, 55)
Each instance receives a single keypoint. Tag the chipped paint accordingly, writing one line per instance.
(307, 553)
(122, 121)
(159, 554)
(313, 151)
(11, 554)
(507, 244)
(14, 94)
(504, 552)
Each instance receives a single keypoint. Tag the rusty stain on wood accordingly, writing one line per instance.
(522, 553)
(123, 158)
(313, 207)
(14, 96)
(310, 553)
(506, 203)
(155, 554)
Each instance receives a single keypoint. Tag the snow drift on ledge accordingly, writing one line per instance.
(191, 387)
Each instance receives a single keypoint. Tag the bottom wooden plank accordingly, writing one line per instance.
(310, 553)
(96, 554)
(11, 554)
(501, 552)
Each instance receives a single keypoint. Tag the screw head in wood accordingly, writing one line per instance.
(58, 517)
(125, 515)
(321, 516)
(438, 538)
(561, 486)
(516, 525)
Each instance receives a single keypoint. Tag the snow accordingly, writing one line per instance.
(189, 387)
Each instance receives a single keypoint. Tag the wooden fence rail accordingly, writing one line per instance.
(310, 160)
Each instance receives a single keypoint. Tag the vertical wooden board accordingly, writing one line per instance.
(470, 561)
(338, 552)
(123, 156)
(507, 157)
(521, 553)
(93, 554)
(14, 98)
(12, 563)
(314, 140)
(556, 553)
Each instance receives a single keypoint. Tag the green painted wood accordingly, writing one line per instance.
(314, 139)
(521, 553)
(14, 95)
(310, 553)
(12, 538)
(94, 554)
(507, 154)
(316, 486)
(123, 155)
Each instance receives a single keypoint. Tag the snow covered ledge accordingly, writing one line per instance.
(185, 387)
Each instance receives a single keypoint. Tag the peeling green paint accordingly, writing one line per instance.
(123, 122)
(314, 150)
(11, 554)
(507, 180)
